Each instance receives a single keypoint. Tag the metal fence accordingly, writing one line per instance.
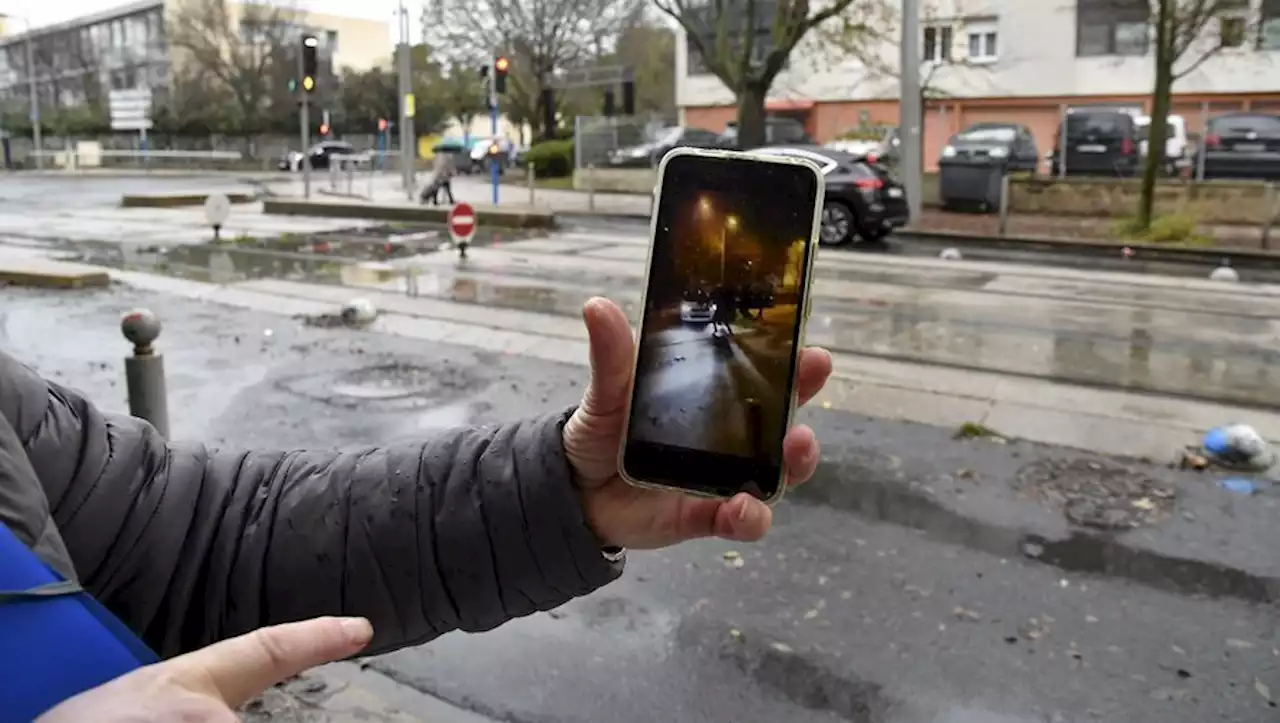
(595, 137)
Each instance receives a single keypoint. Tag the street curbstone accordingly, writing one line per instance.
(177, 200)
(485, 215)
(50, 274)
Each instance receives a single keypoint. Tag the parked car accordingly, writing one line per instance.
(975, 161)
(1100, 142)
(1177, 144)
(651, 151)
(778, 131)
(1242, 145)
(863, 198)
(482, 148)
(319, 153)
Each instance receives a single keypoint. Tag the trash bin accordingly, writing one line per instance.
(970, 181)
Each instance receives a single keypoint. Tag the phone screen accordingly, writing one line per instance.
(721, 325)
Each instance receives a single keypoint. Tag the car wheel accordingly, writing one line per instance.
(837, 224)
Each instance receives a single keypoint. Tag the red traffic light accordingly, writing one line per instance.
(382, 124)
(502, 64)
(324, 129)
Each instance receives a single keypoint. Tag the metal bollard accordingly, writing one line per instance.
(1270, 197)
(1004, 205)
(530, 173)
(591, 188)
(144, 371)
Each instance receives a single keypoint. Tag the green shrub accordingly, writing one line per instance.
(1175, 228)
(551, 159)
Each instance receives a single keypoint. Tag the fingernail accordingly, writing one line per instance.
(744, 512)
(358, 630)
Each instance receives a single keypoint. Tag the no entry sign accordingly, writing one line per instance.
(462, 222)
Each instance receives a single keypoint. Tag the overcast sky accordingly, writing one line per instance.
(43, 13)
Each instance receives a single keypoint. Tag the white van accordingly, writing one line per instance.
(1177, 148)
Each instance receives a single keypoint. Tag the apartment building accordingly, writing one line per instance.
(1010, 60)
(79, 61)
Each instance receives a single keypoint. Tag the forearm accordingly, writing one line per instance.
(466, 531)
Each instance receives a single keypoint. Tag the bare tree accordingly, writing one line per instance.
(541, 37)
(241, 46)
(747, 43)
(1186, 34)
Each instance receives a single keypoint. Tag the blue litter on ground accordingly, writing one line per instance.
(1239, 486)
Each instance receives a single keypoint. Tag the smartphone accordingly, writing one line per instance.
(725, 302)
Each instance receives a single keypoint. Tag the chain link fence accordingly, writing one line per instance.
(596, 137)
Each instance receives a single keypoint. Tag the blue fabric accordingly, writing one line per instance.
(53, 648)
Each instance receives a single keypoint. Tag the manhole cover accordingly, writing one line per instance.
(1099, 494)
(391, 385)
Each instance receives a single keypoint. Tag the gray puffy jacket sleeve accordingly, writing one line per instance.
(189, 545)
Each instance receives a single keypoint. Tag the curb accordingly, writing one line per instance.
(1079, 551)
(177, 200)
(494, 217)
(1246, 258)
(807, 677)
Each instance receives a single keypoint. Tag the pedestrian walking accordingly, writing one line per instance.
(148, 580)
(442, 172)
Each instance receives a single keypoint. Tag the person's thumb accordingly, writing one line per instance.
(612, 354)
(237, 670)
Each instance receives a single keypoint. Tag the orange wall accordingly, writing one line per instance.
(945, 118)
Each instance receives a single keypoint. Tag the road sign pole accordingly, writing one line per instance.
(911, 111)
(493, 130)
(142, 143)
(304, 131)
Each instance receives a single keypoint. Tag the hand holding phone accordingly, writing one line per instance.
(726, 299)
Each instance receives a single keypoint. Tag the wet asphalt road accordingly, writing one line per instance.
(831, 618)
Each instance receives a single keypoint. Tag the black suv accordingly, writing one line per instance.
(863, 198)
(1100, 142)
(1242, 145)
(777, 131)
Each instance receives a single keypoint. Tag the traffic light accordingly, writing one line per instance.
(609, 108)
(310, 64)
(500, 67)
(382, 125)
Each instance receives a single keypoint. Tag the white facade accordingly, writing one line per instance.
(1025, 49)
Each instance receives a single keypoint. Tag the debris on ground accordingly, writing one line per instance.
(359, 312)
(951, 254)
(1239, 486)
(1099, 494)
(733, 558)
(1224, 272)
(1238, 447)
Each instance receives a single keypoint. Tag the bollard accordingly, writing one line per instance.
(530, 173)
(1004, 205)
(144, 371)
(591, 187)
(1269, 220)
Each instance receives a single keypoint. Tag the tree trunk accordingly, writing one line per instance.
(547, 106)
(1160, 102)
(751, 115)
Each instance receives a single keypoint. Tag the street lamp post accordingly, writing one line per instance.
(730, 224)
(34, 114)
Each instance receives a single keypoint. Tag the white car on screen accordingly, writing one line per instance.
(697, 312)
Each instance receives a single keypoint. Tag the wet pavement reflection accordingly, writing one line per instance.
(1120, 331)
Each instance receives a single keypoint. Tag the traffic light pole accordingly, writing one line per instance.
(305, 131)
(493, 129)
(405, 72)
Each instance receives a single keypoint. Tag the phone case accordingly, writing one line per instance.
(804, 316)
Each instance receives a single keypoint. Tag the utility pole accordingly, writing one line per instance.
(304, 123)
(404, 65)
(34, 113)
(493, 124)
(910, 109)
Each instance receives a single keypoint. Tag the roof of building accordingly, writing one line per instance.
(89, 19)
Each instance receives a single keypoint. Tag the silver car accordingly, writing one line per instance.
(697, 312)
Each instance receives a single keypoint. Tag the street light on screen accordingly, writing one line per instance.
(704, 206)
(730, 224)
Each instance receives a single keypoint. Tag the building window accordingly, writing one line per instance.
(1231, 31)
(983, 46)
(1112, 27)
(937, 44)
(1269, 25)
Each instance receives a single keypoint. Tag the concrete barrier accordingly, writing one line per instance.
(486, 216)
(642, 181)
(177, 200)
(1209, 202)
(50, 274)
